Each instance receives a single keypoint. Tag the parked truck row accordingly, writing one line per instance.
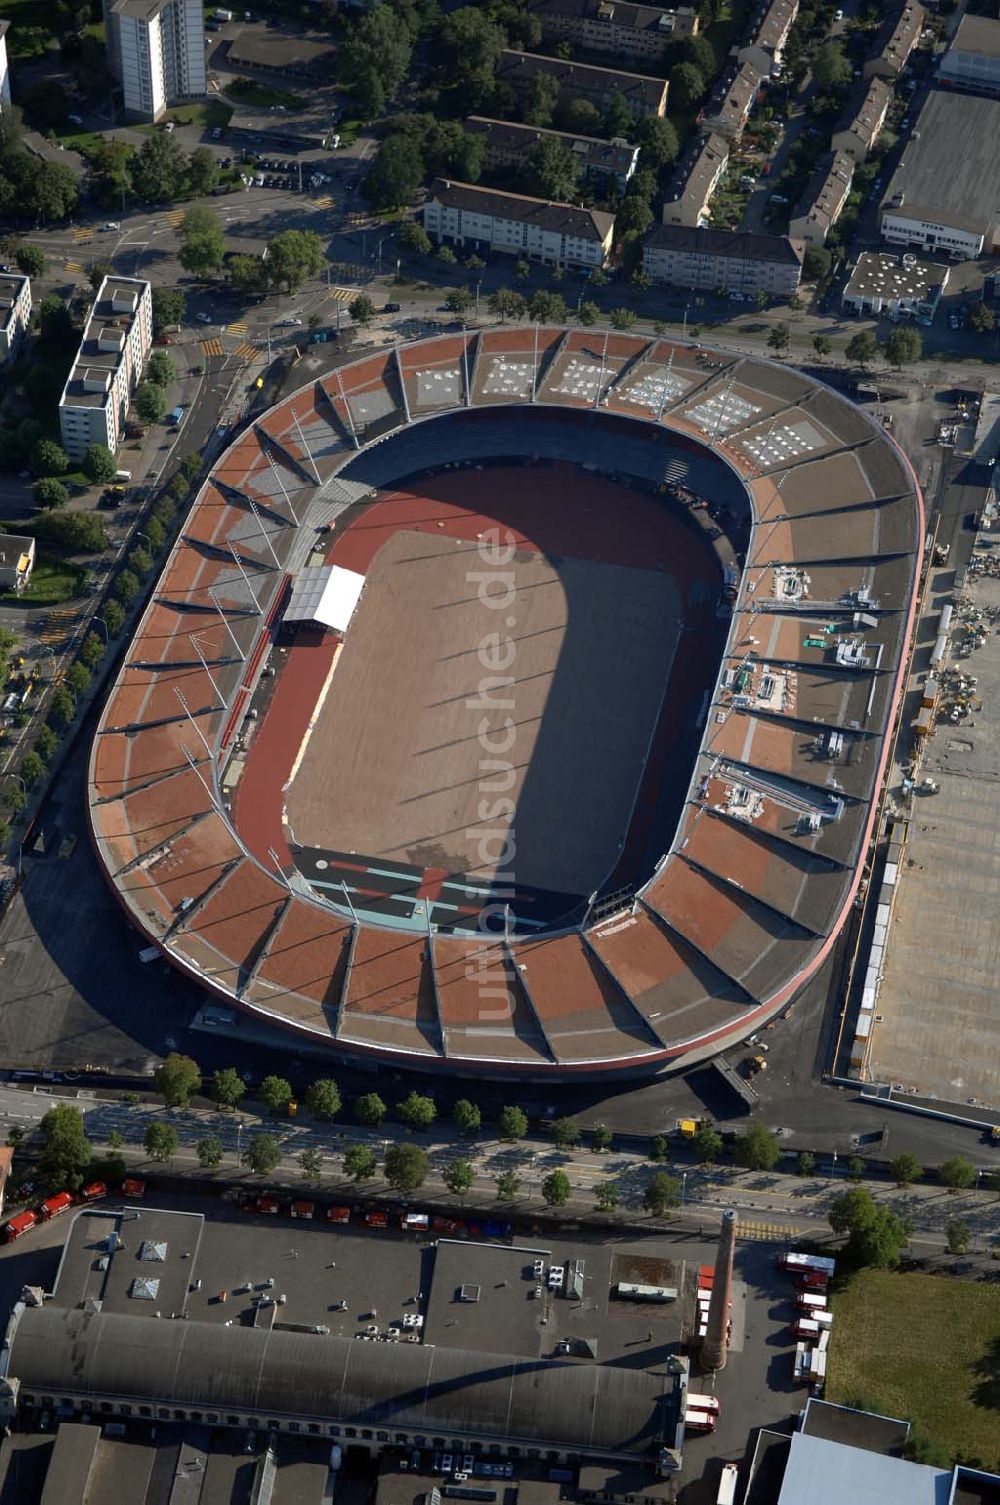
(60, 1202)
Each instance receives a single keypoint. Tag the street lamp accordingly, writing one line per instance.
(105, 626)
(478, 286)
(684, 1182)
(239, 1137)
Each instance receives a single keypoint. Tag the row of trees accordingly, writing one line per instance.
(289, 259)
(903, 347)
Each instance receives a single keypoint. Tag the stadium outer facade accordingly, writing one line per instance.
(769, 849)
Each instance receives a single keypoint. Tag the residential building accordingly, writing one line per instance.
(4, 67)
(636, 32)
(712, 258)
(696, 183)
(644, 96)
(972, 62)
(822, 203)
(17, 560)
(15, 312)
(108, 366)
(897, 38)
(156, 50)
(728, 111)
(898, 287)
(506, 143)
(945, 193)
(764, 52)
(859, 126)
(838, 1454)
(482, 219)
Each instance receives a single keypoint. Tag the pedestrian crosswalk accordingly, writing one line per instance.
(174, 217)
(212, 347)
(239, 327)
(774, 1233)
(82, 233)
(324, 201)
(76, 268)
(343, 294)
(247, 351)
(59, 624)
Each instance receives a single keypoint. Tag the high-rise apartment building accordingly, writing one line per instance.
(108, 367)
(156, 49)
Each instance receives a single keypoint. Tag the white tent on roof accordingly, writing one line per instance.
(326, 595)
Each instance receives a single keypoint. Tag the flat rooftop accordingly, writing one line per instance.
(878, 275)
(950, 170)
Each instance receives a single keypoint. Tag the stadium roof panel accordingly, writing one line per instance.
(762, 867)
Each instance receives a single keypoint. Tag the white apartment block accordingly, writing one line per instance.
(483, 219)
(4, 67)
(108, 366)
(15, 312)
(156, 49)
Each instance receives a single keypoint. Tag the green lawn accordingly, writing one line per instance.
(923, 1347)
(52, 580)
(262, 96)
(206, 112)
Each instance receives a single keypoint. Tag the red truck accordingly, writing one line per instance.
(132, 1187)
(16, 1226)
(338, 1214)
(93, 1193)
(376, 1219)
(268, 1205)
(302, 1210)
(53, 1206)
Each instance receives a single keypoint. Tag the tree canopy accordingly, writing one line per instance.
(66, 1150)
(177, 1078)
(293, 257)
(406, 1166)
(875, 1234)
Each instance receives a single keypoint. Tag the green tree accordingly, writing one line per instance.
(904, 346)
(856, 1168)
(262, 1154)
(806, 1164)
(406, 1166)
(209, 1152)
(375, 53)
(66, 1151)
(159, 168)
(156, 535)
(98, 271)
(414, 238)
(459, 1177)
(62, 707)
(707, 1144)
(203, 245)
(551, 170)
(980, 319)
(115, 1139)
(447, 255)
(160, 369)
(588, 313)
(160, 1141)
(687, 86)
(458, 300)
(293, 257)
(114, 618)
(622, 318)
(957, 1174)
(30, 260)
(662, 1193)
(247, 274)
(72, 530)
(543, 95)
(816, 263)
(658, 140)
(905, 1169)
(395, 175)
(48, 492)
(566, 1133)
(361, 310)
(958, 1236)
(618, 118)
(416, 1111)
(862, 348)
(99, 463)
(831, 67)
(580, 117)
(78, 677)
(275, 1093)
(466, 1116)
(607, 1195)
(875, 1235)
(369, 1109)
(323, 1099)
(228, 1087)
(635, 216)
(699, 51)
(311, 1162)
(32, 769)
(506, 303)
(149, 402)
(547, 308)
(140, 562)
(46, 743)
(467, 49)
(659, 1148)
(203, 171)
(823, 345)
(177, 1078)
(779, 339)
(757, 1149)
(512, 1123)
(359, 1162)
(601, 1138)
(508, 1184)
(49, 458)
(168, 308)
(556, 1189)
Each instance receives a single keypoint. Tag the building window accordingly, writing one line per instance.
(294, 1426)
(350, 1431)
(314, 1428)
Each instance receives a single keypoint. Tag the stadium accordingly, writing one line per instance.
(519, 700)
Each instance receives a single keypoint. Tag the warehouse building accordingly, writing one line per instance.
(945, 194)
(972, 62)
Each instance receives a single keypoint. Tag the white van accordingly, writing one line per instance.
(727, 1484)
(122, 476)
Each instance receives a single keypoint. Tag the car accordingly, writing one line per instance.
(391, 308)
(288, 322)
(447, 1463)
(225, 161)
(75, 119)
(838, 15)
(954, 322)
(217, 133)
(111, 224)
(203, 318)
(170, 126)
